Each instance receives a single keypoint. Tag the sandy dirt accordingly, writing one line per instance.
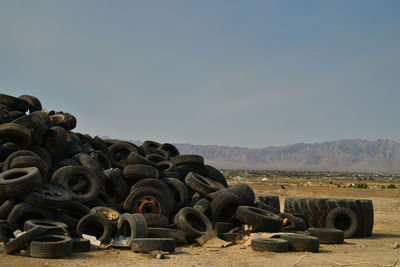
(377, 250)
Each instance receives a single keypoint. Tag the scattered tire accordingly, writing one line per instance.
(224, 205)
(51, 247)
(156, 220)
(343, 219)
(327, 235)
(270, 200)
(46, 224)
(269, 244)
(188, 159)
(193, 222)
(132, 226)
(150, 244)
(148, 200)
(67, 177)
(96, 225)
(136, 172)
(49, 196)
(265, 221)
(19, 181)
(244, 192)
(299, 242)
(202, 205)
(199, 183)
(22, 240)
(22, 212)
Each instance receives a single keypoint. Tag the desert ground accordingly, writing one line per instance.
(378, 250)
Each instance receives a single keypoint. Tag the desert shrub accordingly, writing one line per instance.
(390, 186)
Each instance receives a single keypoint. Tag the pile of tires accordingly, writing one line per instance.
(57, 185)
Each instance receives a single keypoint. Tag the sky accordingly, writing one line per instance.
(235, 73)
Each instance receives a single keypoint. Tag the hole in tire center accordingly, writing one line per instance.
(126, 228)
(94, 228)
(79, 184)
(15, 175)
(342, 222)
(196, 222)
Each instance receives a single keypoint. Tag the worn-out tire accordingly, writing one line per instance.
(316, 210)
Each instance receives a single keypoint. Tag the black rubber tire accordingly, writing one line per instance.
(55, 141)
(33, 120)
(270, 200)
(18, 134)
(264, 206)
(170, 175)
(22, 240)
(95, 225)
(22, 212)
(299, 242)
(136, 158)
(265, 221)
(156, 220)
(179, 192)
(19, 153)
(49, 196)
(317, 209)
(223, 227)
(170, 149)
(327, 235)
(115, 187)
(65, 175)
(343, 219)
(157, 155)
(215, 175)
(47, 224)
(64, 120)
(244, 192)
(166, 166)
(50, 247)
(150, 244)
(87, 161)
(6, 207)
(149, 146)
(188, 159)
(132, 226)
(121, 150)
(137, 201)
(19, 181)
(80, 244)
(135, 172)
(200, 184)
(290, 224)
(224, 205)
(269, 244)
(178, 235)
(202, 205)
(33, 103)
(30, 161)
(193, 222)
(14, 103)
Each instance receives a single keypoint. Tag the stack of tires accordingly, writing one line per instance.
(57, 185)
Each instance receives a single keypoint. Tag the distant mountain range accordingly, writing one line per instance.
(343, 155)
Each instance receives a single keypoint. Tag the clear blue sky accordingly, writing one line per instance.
(238, 73)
